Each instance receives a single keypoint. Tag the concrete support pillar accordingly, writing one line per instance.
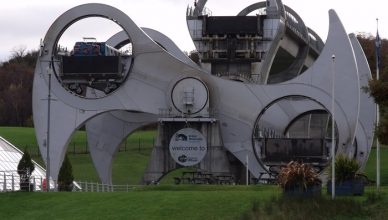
(216, 160)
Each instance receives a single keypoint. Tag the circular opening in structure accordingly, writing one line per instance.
(260, 11)
(294, 128)
(291, 17)
(189, 95)
(87, 63)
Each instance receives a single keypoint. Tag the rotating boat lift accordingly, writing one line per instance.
(160, 84)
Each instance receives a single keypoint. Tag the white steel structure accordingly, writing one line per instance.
(234, 97)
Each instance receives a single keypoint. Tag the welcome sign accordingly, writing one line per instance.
(188, 147)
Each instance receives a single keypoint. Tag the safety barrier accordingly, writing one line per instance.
(99, 187)
(10, 181)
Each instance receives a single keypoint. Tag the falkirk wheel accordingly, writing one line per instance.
(260, 96)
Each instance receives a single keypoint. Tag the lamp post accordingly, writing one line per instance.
(247, 170)
(332, 129)
(378, 48)
(49, 72)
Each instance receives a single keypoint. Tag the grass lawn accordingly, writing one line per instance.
(174, 202)
(127, 167)
(23, 138)
(369, 206)
(191, 202)
(370, 168)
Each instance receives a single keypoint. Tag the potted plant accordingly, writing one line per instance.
(348, 179)
(299, 179)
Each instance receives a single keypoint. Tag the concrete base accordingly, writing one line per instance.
(217, 160)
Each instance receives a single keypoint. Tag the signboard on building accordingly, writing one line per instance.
(188, 147)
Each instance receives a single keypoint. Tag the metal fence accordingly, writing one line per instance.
(10, 181)
(137, 144)
(99, 187)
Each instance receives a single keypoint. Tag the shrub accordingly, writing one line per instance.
(345, 169)
(65, 177)
(298, 176)
(25, 169)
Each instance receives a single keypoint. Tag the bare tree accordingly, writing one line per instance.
(18, 52)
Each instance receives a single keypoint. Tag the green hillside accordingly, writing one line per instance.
(132, 158)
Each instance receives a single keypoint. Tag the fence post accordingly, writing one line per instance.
(5, 183)
(86, 186)
(34, 187)
(13, 183)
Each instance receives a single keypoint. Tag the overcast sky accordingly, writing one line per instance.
(24, 22)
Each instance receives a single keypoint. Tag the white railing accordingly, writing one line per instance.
(10, 181)
(169, 113)
(99, 187)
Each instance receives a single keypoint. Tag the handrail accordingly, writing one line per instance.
(100, 187)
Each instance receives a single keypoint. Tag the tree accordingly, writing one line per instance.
(194, 56)
(25, 169)
(65, 177)
(378, 89)
(19, 52)
(16, 77)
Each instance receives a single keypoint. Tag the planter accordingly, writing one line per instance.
(301, 192)
(348, 188)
